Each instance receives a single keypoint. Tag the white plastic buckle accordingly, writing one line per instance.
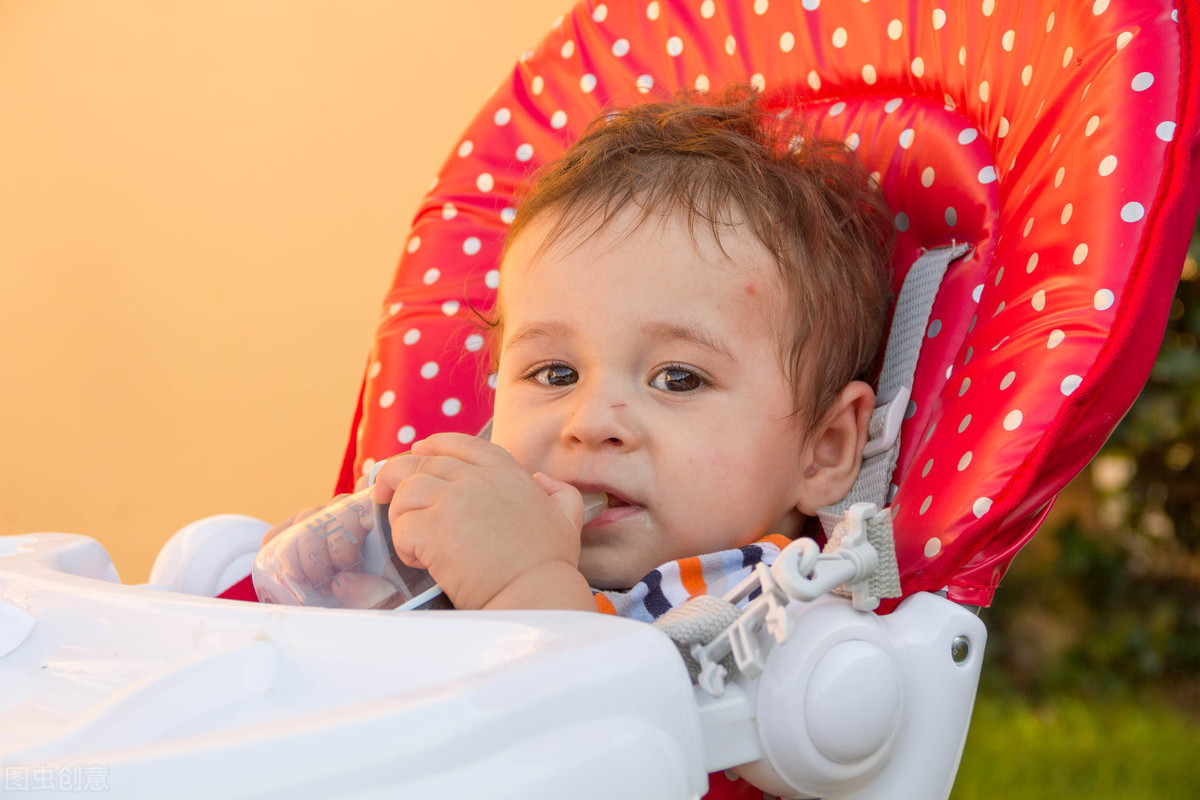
(894, 408)
(801, 572)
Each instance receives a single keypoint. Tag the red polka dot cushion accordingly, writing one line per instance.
(1058, 138)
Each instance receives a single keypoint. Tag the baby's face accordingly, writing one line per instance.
(645, 364)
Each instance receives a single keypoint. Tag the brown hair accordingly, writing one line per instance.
(808, 200)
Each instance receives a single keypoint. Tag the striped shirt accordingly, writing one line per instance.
(676, 582)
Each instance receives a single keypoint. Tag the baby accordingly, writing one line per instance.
(690, 302)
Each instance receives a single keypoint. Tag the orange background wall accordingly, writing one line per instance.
(201, 204)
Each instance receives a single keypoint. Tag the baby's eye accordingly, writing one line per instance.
(555, 375)
(677, 379)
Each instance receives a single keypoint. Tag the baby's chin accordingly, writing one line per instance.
(601, 573)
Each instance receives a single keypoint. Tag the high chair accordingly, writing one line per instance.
(1046, 149)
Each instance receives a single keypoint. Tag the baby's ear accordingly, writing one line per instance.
(833, 453)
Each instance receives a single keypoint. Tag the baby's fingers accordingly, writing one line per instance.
(360, 590)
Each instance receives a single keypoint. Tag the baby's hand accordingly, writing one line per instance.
(491, 534)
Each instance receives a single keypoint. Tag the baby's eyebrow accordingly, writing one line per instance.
(691, 334)
(539, 330)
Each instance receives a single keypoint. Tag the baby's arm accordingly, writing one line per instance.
(492, 535)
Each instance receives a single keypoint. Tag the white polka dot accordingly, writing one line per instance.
(1124, 39)
(1080, 254)
(906, 138)
(587, 83)
(1039, 300)
(537, 84)
(967, 135)
(869, 75)
(485, 182)
(620, 47)
(473, 343)
(910, 410)
(927, 175)
(962, 426)
(840, 37)
(985, 91)
(1132, 212)
(707, 9)
(1070, 384)
(449, 211)
(375, 369)
(1055, 339)
(1165, 131)
(472, 245)
(1050, 22)
(951, 216)
(1099, 7)
(965, 461)
(451, 407)
(412, 336)
(600, 13)
(787, 41)
(1002, 129)
(1027, 74)
(977, 292)
(414, 244)
(1031, 265)
(811, 5)
(1007, 40)
(933, 547)
(760, 7)
(568, 49)
(987, 175)
(406, 434)
(1058, 176)
(1142, 81)
(387, 398)
(981, 506)
(1054, 144)
(853, 141)
(652, 11)
(491, 381)
(918, 66)
(758, 81)
(1065, 216)
(893, 104)
(1107, 165)
(925, 504)
(702, 83)
(837, 108)
(814, 80)
(1028, 227)
(939, 19)
(966, 384)
(1103, 300)
(988, 7)
(524, 152)
(368, 464)
(895, 29)
(925, 469)
(645, 83)
(730, 45)
(465, 148)
(1012, 420)
(1092, 124)
(507, 215)
(902, 222)
(935, 327)
(674, 46)
(558, 119)
(1068, 54)
(431, 275)
(502, 116)
(492, 279)
(1008, 380)
(429, 370)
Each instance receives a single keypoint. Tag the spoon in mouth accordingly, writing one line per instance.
(593, 504)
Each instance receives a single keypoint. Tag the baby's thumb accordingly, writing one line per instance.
(361, 590)
(564, 496)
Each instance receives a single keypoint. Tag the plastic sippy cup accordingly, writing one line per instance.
(346, 549)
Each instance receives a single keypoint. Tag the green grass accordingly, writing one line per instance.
(1127, 748)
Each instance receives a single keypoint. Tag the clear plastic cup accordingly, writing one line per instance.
(343, 557)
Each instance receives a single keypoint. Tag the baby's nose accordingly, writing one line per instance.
(601, 419)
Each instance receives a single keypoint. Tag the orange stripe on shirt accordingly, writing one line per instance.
(603, 604)
(691, 575)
